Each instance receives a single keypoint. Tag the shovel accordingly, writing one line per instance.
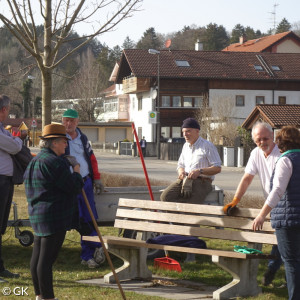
(163, 262)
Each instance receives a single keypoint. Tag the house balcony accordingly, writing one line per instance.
(133, 85)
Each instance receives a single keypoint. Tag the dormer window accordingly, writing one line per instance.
(258, 68)
(182, 63)
(275, 68)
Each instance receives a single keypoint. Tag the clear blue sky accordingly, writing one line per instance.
(172, 15)
(167, 16)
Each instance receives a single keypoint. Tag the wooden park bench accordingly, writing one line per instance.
(204, 221)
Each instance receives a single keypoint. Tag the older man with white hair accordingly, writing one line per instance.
(262, 162)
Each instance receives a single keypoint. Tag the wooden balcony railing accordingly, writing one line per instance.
(134, 85)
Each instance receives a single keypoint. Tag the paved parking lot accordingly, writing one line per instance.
(228, 179)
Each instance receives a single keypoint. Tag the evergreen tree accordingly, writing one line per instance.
(25, 92)
(128, 43)
(236, 33)
(251, 34)
(149, 40)
(215, 37)
(283, 26)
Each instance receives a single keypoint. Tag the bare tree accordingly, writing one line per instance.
(59, 20)
(87, 86)
(216, 121)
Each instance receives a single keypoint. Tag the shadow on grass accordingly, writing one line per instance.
(205, 271)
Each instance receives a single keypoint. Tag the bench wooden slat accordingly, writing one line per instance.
(224, 221)
(113, 240)
(188, 208)
(196, 231)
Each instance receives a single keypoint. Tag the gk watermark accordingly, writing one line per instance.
(17, 291)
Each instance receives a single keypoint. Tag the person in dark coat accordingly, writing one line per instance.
(51, 190)
(143, 144)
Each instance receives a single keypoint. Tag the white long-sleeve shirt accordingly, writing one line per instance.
(283, 173)
(8, 145)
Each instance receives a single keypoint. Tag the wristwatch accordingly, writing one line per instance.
(201, 171)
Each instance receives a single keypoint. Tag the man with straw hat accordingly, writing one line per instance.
(51, 189)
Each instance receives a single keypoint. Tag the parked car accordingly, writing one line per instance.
(176, 140)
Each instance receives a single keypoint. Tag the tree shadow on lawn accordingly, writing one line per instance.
(205, 271)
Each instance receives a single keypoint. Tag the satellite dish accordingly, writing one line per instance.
(154, 94)
(168, 43)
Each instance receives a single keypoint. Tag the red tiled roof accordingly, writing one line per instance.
(261, 44)
(110, 91)
(276, 115)
(207, 65)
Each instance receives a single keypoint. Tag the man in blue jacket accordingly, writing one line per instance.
(78, 146)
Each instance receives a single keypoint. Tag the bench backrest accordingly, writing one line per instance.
(206, 221)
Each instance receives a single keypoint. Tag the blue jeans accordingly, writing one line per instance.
(88, 248)
(289, 247)
(274, 264)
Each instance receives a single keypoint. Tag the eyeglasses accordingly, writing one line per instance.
(261, 140)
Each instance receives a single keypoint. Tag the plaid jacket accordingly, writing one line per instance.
(51, 191)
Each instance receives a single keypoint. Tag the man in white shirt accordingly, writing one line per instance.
(8, 145)
(198, 163)
(262, 162)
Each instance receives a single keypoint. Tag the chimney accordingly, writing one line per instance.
(198, 46)
(243, 39)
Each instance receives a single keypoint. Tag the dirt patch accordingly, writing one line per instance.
(116, 180)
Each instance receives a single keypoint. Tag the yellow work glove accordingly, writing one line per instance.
(231, 205)
(186, 190)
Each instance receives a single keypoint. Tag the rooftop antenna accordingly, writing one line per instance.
(274, 17)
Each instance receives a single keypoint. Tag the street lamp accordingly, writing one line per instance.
(156, 52)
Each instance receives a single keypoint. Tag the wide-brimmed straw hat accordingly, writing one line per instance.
(54, 131)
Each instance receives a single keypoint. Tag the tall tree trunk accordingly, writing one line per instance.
(46, 71)
(46, 96)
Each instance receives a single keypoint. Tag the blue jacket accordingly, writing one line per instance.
(287, 212)
(87, 151)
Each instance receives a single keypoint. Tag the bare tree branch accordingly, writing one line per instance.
(59, 18)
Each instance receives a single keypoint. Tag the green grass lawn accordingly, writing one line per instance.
(67, 269)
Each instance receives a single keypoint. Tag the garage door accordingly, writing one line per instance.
(91, 133)
(113, 135)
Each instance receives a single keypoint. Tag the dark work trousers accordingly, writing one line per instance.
(44, 253)
(200, 189)
(88, 248)
(6, 195)
(143, 151)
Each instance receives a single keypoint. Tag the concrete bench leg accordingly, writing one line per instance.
(244, 272)
(135, 263)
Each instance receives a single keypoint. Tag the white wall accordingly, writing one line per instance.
(140, 118)
(223, 101)
(288, 46)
